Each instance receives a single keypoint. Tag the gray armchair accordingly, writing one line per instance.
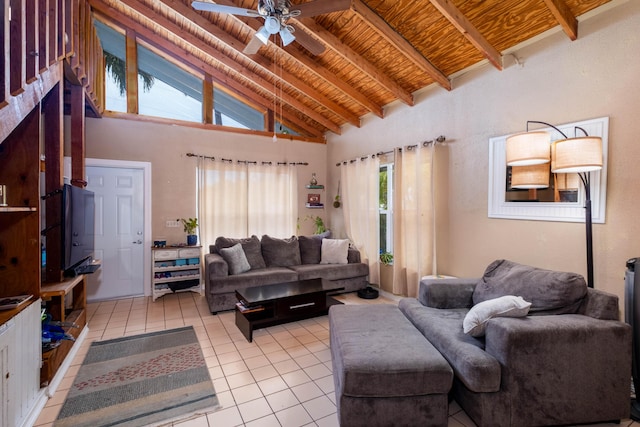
(548, 368)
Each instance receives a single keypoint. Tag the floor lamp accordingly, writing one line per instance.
(580, 155)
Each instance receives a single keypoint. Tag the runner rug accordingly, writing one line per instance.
(139, 380)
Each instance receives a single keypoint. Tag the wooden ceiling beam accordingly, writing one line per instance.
(462, 24)
(385, 30)
(236, 68)
(352, 57)
(310, 65)
(201, 66)
(266, 64)
(564, 16)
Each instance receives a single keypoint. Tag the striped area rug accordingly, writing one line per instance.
(140, 380)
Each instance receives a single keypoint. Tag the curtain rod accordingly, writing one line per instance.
(440, 139)
(248, 162)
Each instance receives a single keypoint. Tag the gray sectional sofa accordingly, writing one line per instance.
(564, 359)
(273, 261)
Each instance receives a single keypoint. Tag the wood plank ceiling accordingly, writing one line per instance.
(376, 52)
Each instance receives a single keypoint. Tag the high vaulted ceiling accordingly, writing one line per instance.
(375, 52)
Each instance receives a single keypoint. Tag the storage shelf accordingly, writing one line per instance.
(176, 278)
(171, 256)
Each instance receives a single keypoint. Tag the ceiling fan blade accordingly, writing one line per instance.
(253, 46)
(318, 7)
(212, 7)
(307, 41)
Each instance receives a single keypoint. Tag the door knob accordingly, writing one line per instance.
(138, 242)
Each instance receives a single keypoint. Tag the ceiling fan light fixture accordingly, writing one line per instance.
(271, 24)
(287, 36)
(263, 35)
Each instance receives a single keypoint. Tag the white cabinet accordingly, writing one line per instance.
(20, 356)
(176, 269)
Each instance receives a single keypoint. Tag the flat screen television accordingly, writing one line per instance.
(78, 233)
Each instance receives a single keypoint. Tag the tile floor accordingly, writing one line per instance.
(283, 378)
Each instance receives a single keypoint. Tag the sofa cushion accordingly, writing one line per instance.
(264, 276)
(330, 271)
(334, 251)
(250, 246)
(236, 259)
(280, 252)
(550, 292)
(477, 369)
(475, 322)
(310, 247)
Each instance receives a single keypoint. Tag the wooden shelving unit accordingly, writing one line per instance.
(54, 295)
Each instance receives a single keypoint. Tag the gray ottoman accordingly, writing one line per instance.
(385, 371)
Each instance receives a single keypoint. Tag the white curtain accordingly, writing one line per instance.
(273, 200)
(360, 182)
(237, 200)
(414, 217)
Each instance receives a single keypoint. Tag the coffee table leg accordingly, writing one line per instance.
(245, 326)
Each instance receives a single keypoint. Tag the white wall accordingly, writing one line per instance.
(174, 174)
(561, 81)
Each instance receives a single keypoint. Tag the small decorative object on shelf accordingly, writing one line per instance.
(314, 180)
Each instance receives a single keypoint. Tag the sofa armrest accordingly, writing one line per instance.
(546, 359)
(215, 265)
(447, 293)
(600, 305)
(353, 256)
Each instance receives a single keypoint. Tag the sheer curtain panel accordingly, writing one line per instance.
(273, 200)
(222, 200)
(236, 199)
(360, 188)
(413, 234)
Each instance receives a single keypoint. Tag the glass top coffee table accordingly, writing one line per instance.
(269, 305)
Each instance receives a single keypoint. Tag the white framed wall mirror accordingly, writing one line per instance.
(564, 199)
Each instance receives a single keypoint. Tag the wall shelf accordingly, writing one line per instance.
(17, 209)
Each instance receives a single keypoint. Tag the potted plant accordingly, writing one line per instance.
(318, 224)
(386, 271)
(190, 226)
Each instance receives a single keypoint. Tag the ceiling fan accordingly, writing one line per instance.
(276, 14)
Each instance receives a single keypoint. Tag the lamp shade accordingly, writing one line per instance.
(263, 35)
(287, 36)
(534, 176)
(572, 155)
(528, 148)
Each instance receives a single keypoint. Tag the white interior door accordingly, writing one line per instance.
(121, 237)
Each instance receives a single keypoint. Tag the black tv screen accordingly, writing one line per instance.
(78, 221)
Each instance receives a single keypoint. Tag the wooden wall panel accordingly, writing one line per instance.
(20, 230)
(17, 46)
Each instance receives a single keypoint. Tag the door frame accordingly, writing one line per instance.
(146, 185)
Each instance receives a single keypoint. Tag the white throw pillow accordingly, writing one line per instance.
(236, 259)
(475, 322)
(334, 251)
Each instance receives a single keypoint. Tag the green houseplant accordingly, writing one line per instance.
(318, 224)
(190, 225)
(386, 271)
(386, 258)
